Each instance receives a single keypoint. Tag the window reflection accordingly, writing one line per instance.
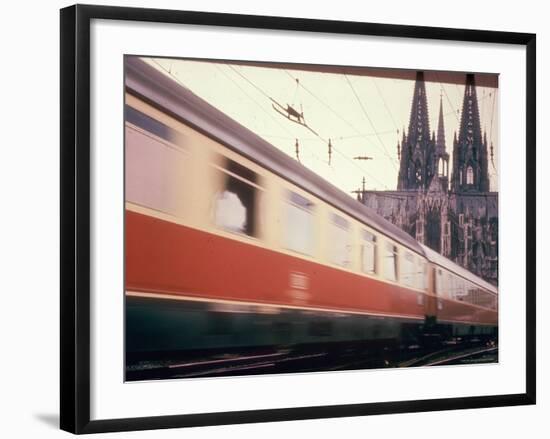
(340, 241)
(368, 252)
(236, 204)
(390, 262)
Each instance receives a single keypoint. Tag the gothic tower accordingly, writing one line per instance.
(470, 167)
(441, 157)
(416, 167)
(454, 215)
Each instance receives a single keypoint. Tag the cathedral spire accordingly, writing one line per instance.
(470, 171)
(416, 168)
(470, 127)
(440, 140)
(441, 157)
(419, 124)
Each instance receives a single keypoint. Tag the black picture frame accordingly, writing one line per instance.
(75, 217)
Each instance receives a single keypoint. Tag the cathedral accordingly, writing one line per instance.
(453, 210)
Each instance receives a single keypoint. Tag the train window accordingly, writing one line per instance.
(458, 290)
(153, 126)
(444, 283)
(493, 302)
(390, 262)
(236, 204)
(451, 284)
(471, 295)
(421, 274)
(485, 299)
(478, 297)
(154, 167)
(340, 247)
(468, 296)
(439, 281)
(368, 252)
(408, 270)
(299, 225)
(241, 171)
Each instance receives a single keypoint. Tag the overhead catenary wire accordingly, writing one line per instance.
(355, 136)
(338, 115)
(491, 130)
(249, 81)
(368, 118)
(435, 117)
(254, 100)
(253, 90)
(173, 75)
(169, 72)
(333, 149)
(385, 103)
(455, 112)
(492, 114)
(261, 106)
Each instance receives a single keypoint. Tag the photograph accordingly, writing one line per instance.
(284, 218)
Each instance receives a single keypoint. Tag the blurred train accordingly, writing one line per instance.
(230, 243)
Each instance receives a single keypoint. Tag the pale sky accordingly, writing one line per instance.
(360, 114)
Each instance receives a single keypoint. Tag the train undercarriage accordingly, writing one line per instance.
(195, 330)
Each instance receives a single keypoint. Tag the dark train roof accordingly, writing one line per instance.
(161, 91)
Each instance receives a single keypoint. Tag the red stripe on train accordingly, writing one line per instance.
(168, 257)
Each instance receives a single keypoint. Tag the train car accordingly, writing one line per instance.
(231, 244)
(465, 304)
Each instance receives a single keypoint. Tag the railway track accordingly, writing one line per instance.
(453, 355)
(472, 357)
(310, 360)
(275, 362)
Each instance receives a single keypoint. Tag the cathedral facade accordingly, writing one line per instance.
(453, 210)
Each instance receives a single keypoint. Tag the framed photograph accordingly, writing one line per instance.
(274, 218)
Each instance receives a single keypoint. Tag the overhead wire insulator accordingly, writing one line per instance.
(297, 150)
(296, 91)
(329, 151)
(361, 192)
